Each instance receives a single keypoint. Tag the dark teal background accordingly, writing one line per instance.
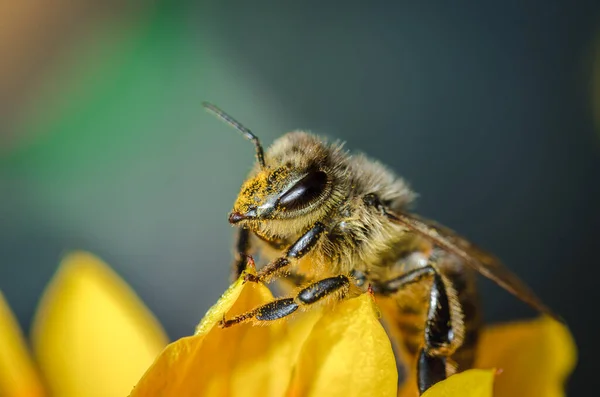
(485, 108)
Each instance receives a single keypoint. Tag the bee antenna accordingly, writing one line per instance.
(235, 124)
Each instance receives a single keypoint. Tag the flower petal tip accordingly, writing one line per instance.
(18, 373)
(250, 265)
(216, 313)
(535, 357)
(88, 317)
(470, 383)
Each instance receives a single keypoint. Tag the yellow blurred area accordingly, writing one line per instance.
(92, 336)
(18, 376)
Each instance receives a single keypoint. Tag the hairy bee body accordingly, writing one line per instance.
(333, 223)
(358, 239)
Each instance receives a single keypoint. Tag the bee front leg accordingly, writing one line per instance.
(336, 286)
(242, 248)
(297, 250)
(444, 329)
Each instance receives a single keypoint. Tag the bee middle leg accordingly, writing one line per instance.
(443, 328)
(296, 251)
(336, 286)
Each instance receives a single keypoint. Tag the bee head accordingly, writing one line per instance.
(296, 180)
(281, 192)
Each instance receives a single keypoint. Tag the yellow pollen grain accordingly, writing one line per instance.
(254, 190)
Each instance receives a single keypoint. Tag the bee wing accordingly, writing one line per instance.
(486, 264)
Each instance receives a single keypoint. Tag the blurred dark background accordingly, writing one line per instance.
(490, 110)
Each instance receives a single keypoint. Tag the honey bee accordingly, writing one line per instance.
(333, 223)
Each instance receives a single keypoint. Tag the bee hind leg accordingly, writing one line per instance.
(336, 286)
(443, 328)
(439, 334)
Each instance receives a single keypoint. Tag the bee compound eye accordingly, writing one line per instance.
(304, 191)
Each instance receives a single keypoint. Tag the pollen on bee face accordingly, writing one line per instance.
(256, 189)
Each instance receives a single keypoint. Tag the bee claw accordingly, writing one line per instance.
(222, 323)
(251, 277)
(250, 264)
(370, 289)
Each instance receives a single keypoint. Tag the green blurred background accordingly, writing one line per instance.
(488, 111)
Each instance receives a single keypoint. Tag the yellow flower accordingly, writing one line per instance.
(91, 336)
(343, 351)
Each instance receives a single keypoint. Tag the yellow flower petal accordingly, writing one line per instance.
(347, 354)
(243, 360)
(92, 335)
(535, 357)
(226, 302)
(18, 375)
(471, 383)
